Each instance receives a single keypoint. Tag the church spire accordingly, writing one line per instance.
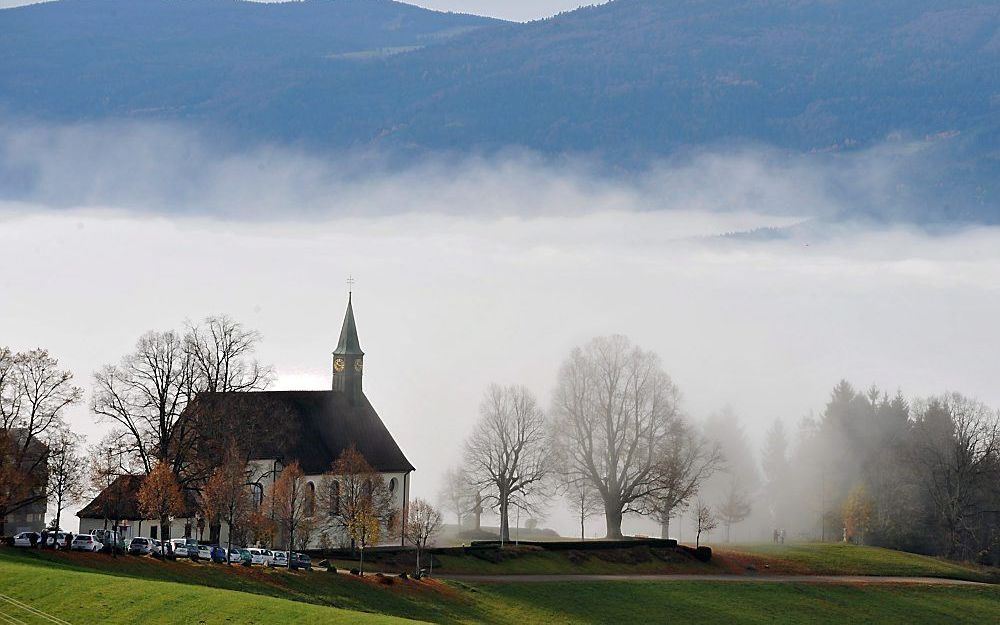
(349, 344)
(348, 359)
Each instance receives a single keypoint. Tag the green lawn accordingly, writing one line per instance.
(707, 602)
(843, 559)
(94, 598)
(86, 588)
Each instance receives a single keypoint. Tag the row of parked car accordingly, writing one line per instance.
(57, 540)
(248, 556)
(101, 540)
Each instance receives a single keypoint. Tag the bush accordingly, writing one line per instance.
(355, 572)
(703, 554)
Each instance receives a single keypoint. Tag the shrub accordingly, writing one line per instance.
(703, 554)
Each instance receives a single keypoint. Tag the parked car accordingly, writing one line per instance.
(268, 556)
(155, 547)
(184, 547)
(56, 540)
(219, 555)
(299, 561)
(251, 556)
(279, 558)
(234, 556)
(25, 539)
(86, 542)
(109, 538)
(201, 552)
(140, 546)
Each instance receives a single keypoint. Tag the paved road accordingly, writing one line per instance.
(780, 579)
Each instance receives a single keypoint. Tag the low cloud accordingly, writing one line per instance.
(474, 270)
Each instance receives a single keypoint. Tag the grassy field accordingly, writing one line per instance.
(88, 588)
(843, 559)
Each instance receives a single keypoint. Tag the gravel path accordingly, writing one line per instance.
(778, 579)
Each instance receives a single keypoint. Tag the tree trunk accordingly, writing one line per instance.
(665, 528)
(613, 518)
(582, 537)
(504, 522)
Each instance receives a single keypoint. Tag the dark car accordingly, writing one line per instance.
(299, 561)
(218, 554)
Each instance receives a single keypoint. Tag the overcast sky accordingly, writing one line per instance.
(474, 271)
(521, 10)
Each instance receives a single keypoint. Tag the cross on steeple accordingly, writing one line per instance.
(350, 283)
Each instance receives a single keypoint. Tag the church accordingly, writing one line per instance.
(312, 428)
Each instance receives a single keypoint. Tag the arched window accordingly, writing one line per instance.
(335, 497)
(392, 485)
(256, 494)
(310, 499)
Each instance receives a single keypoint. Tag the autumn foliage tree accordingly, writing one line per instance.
(290, 503)
(34, 393)
(358, 501)
(160, 497)
(225, 497)
(858, 510)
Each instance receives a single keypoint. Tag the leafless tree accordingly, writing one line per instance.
(67, 474)
(507, 454)
(704, 519)
(422, 524)
(735, 507)
(457, 495)
(584, 502)
(221, 351)
(613, 407)
(145, 395)
(685, 461)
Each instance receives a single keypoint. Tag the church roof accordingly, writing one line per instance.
(317, 426)
(349, 344)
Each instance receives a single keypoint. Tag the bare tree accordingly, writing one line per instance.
(67, 476)
(687, 459)
(507, 452)
(145, 395)
(584, 502)
(457, 495)
(705, 520)
(735, 508)
(357, 501)
(221, 351)
(613, 408)
(422, 524)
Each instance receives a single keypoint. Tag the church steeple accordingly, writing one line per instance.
(348, 359)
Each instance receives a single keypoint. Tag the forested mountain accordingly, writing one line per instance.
(624, 80)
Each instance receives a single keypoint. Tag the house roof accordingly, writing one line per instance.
(120, 501)
(314, 428)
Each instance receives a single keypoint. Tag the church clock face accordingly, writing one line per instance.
(338, 364)
(358, 366)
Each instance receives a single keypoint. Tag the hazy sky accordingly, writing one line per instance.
(472, 271)
(520, 10)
